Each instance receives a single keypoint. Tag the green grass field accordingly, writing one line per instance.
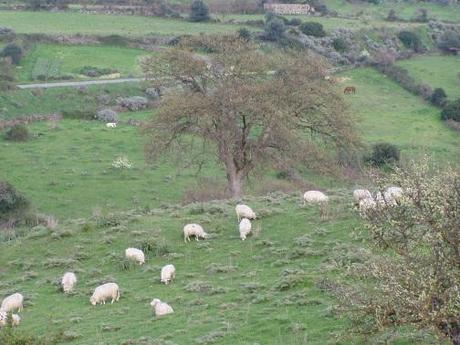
(437, 71)
(73, 58)
(389, 113)
(104, 25)
(261, 291)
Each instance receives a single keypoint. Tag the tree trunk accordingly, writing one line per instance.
(235, 179)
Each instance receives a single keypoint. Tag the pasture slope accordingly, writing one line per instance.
(265, 290)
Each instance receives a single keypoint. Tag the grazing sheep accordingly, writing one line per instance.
(161, 308)
(194, 230)
(111, 125)
(12, 303)
(390, 196)
(135, 255)
(315, 197)
(366, 204)
(105, 291)
(244, 211)
(15, 319)
(68, 282)
(168, 273)
(360, 194)
(245, 228)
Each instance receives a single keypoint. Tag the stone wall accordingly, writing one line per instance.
(289, 8)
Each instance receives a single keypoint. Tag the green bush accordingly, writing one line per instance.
(91, 71)
(17, 133)
(80, 114)
(244, 34)
(294, 22)
(340, 45)
(199, 11)
(274, 28)
(411, 40)
(313, 29)
(114, 40)
(383, 154)
(6, 76)
(438, 97)
(451, 111)
(12, 51)
(449, 40)
(10, 336)
(392, 16)
(12, 203)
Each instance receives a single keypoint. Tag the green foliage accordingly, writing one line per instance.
(392, 17)
(244, 34)
(383, 154)
(199, 11)
(274, 28)
(451, 111)
(46, 69)
(17, 133)
(294, 22)
(411, 40)
(91, 71)
(12, 51)
(340, 44)
(450, 39)
(114, 40)
(438, 97)
(6, 75)
(12, 203)
(313, 29)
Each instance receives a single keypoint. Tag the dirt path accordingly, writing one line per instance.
(79, 83)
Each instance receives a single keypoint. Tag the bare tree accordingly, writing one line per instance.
(254, 108)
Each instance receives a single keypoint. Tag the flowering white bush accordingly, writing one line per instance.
(122, 162)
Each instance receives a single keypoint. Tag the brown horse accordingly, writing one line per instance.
(349, 89)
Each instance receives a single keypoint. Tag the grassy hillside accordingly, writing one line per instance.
(264, 290)
(436, 71)
(104, 25)
(71, 59)
(386, 112)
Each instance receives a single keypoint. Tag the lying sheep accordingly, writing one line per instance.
(245, 228)
(194, 230)
(105, 291)
(111, 125)
(135, 255)
(360, 194)
(168, 273)
(12, 303)
(315, 197)
(68, 282)
(244, 211)
(366, 204)
(15, 319)
(161, 308)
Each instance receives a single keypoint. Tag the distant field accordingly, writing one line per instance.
(437, 71)
(389, 113)
(104, 25)
(72, 58)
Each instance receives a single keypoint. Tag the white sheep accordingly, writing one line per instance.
(105, 291)
(168, 273)
(389, 196)
(244, 211)
(245, 228)
(15, 319)
(360, 194)
(111, 125)
(68, 282)
(315, 197)
(12, 303)
(366, 204)
(194, 230)
(161, 308)
(135, 255)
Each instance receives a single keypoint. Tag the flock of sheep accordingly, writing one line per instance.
(111, 291)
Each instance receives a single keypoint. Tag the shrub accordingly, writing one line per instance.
(78, 114)
(313, 29)
(438, 97)
(96, 71)
(451, 111)
(274, 28)
(114, 40)
(133, 103)
(12, 203)
(392, 17)
(420, 15)
(17, 133)
(383, 153)
(411, 40)
(449, 41)
(244, 34)
(199, 11)
(122, 162)
(12, 51)
(6, 75)
(340, 45)
(294, 22)
(107, 115)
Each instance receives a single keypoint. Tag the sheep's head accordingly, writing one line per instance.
(154, 302)
(93, 300)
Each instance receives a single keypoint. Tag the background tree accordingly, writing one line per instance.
(438, 97)
(413, 275)
(199, 11)
(254, 109)
(12, 51)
